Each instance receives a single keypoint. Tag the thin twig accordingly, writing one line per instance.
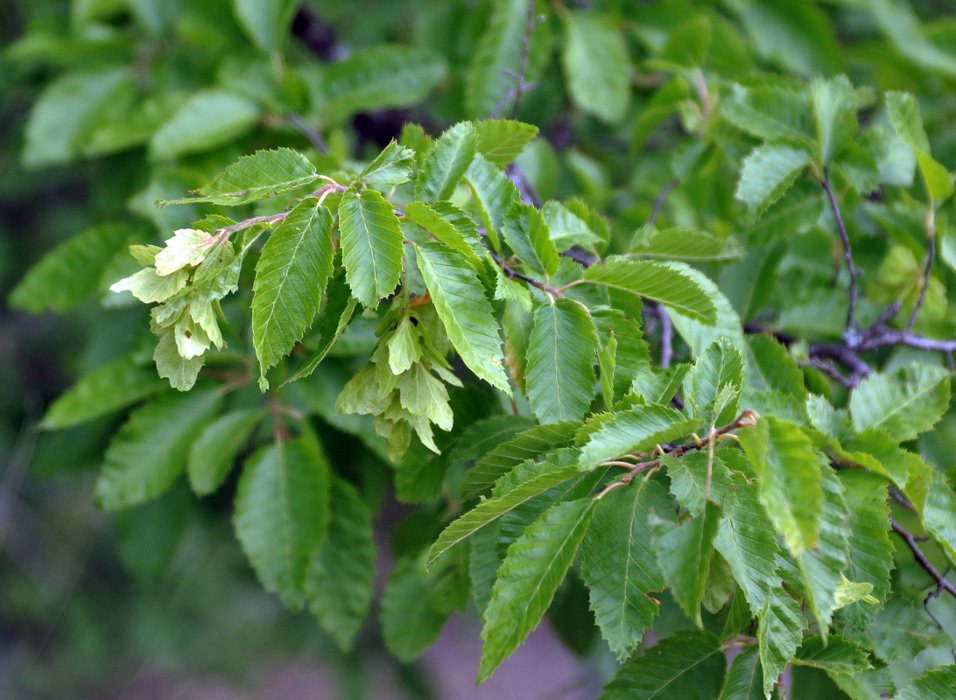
(850, 334)
(927, 269)
(521, 84)
(659, 202)
(514, 274)
(313, 136)
(828, 369)
(921, 559)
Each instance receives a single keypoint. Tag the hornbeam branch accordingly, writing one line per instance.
(911, 542)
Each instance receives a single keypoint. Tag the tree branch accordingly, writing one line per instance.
(921, 559)
(850, 334)
(659, 202)
(521, 84)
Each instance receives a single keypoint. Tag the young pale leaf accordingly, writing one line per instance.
(147, 286)
(282, 514)
(212, 454)
(821, 567)
(500, 141)
(410, 623)
(596, 66)
(833, 107)
(149, 450)
(779, 632)
(528, 578)
(465, 312)
(390, 168)
(937, 684)
(208, 119)
(745, 539)
(264, 174)
(744, 679)
(403, 347)
(666, 283)
(73, 271)
(684, 552)
(767, 173)
(528, 444)
(619, 567)
(291, 274)
(488, 511)
(638, 429)
(903, 404)
(374, 78)
(371, 245)
(790, 481)
(560, 372)
(446, 162)
(688, 664)
(170, 364)
(105, 389)
(340, 581)
(527, 235)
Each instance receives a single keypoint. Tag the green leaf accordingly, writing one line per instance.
(291, 274)
(834, 109)
(214, 451)
(410, 624)
(208, 119)
(73, 271)
(607, 361)
(688, 665)
(527, 235)
(596, 66)
(460, 301)
(431, 219)
(149, 450)
(790, 481)
(528, 578)
(494, 193)
(446, 163)
(619, 567)
(779, 631)
(766, 175)
(904, 114)
(282, 514)
(684, 551)
(718, 370)
(488, 511)
(773, 368)
(937, 684)
(265, 21)
(744, 679)
(340, 581)
(567, 228)
(528, 444)
(371, 245)
(871, 552)
(339, 308)
(822, 566)
(938, 516)
(903, 404)
(688, 476)
(901, 630)
(498, 53)
(390, 168)
(106, 389)
(770, 113)
(403, 347)
(746, 540)
(638, 429)
(374, 78)
(666, 283)
(560, 372)
(262, 175)
(500, 141)
(681, 243)
(836, 655)
(66, 113)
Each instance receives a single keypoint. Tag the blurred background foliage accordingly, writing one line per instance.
(96, 606)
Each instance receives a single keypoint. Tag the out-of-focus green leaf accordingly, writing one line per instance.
(596, 66)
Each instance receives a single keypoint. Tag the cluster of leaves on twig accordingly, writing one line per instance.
(651, 416)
